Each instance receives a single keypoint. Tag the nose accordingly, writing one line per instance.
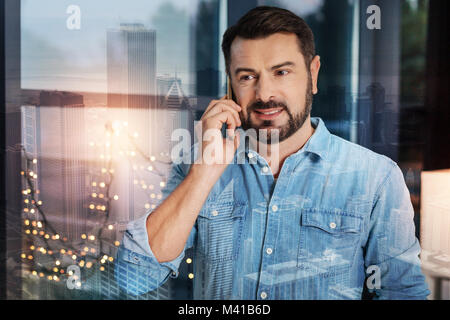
(264, 89)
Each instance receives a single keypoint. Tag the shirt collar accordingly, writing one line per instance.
(318, 143)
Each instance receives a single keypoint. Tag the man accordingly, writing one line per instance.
(322, 219)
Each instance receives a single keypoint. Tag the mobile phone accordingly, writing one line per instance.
(230, 94)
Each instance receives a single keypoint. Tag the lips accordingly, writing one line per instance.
(268, 114)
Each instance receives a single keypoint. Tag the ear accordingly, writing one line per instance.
(314, 69)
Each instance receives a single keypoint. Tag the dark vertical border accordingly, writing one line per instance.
(2, 155)
(437, 143)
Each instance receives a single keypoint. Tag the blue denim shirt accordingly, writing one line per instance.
(337, 221)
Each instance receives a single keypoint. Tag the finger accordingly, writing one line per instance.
(219, 119)
(220, 108)
(213, 103)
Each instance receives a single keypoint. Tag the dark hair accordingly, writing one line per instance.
(264, 21)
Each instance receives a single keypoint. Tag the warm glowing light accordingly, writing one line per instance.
(81, 263)
(55, 269)
(111, 259)
(32, 210)
(101, 195)
(149, 168)
(162, 184)
(32, 247)
(152, 158)
(104, 170)
(133, 153)
(188, 260)
(116, 197)
(92, 237)
(26, 201)
(33, 223)
(86, 249)
(23, 255)
(89, 264)
(74, 257)
(35, 232)
(102, 268)
(57, 262)
(136, 135)
(93, 250)
(56, 236)
(41, 232)
(147, 206)
(22, 173)
(92, 206)
(191, 276)
(47, 236)
(117, 243)
(153, 196)
(55, 278)
(25, 210)
(83, 236)
(110, 227)
(39, 224)
(31, 173)
(102, 184)
(35, 176)
(103, 208)
(41, 274)
(30, 257)
(94, 195)
(63, 251)
(39, 202)
(94, 184)
(27, 231)
(34, 273)
(34, 161)
(103, 261)
(27, 222)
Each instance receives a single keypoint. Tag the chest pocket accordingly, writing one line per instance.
(329, 240)
(220, 231)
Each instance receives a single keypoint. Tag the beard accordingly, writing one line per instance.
(294, 123)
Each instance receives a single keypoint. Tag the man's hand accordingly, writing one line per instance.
(216, 152)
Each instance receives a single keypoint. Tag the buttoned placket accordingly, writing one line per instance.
(272, 225)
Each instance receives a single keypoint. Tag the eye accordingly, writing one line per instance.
(282, 72)
(246, 77)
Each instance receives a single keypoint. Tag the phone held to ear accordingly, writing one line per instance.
(230, 94)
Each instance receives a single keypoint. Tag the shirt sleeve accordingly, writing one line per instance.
(137, 270)
(392, 251)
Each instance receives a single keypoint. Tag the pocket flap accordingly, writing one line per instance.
(331, 222)
(223, 210)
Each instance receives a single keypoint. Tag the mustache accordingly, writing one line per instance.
(266, 105)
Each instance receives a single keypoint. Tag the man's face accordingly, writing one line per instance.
(272, 84)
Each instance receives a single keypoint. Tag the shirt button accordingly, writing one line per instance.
(215, 213)
(269, 250)
(263, 295)
(332, 225)
(274, 208)
(265, 169)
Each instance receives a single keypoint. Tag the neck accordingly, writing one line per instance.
(277, 154)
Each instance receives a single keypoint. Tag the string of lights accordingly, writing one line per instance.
(42, 239)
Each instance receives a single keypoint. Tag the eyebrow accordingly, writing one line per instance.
(284, 64)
